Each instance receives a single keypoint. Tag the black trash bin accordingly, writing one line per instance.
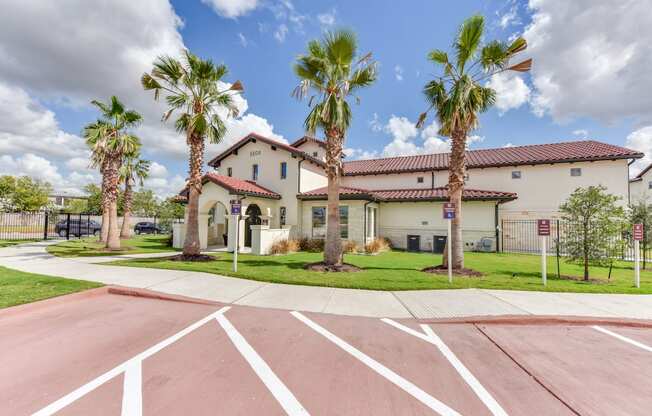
(413, 243)
(438, 244)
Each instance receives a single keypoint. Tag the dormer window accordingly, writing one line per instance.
(254, 172)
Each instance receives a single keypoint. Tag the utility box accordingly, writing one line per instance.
(438, 244)
(413, 243)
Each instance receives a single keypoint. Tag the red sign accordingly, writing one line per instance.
(448, 209)
(638, 232)
(543, 227)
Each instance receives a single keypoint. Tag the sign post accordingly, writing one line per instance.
(236, 209)
(449, 214)
(543, 230)
(637, 233)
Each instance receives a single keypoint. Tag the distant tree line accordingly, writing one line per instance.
(23, 193)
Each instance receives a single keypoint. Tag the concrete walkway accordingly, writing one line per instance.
(422, 304)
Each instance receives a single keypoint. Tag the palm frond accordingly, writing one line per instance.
(468, 40)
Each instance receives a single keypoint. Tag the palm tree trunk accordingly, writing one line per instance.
(113, 236)
(104, 233)
(456, 170)
(191, 245)
(125, 231)
(333, 244)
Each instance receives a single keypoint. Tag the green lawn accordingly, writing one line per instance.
(401, 271)
(19, 287)
(88, 247)
(8, 243)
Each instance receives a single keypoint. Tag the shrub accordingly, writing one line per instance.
(311, 244)
(350, 246)
(284, 247)
(377, 245)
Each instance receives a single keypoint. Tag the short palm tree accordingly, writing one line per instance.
(110, 143)
(458, 95)
(193, 88)
(134, 170)
(331, 73)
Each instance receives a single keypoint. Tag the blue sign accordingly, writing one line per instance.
(236, 208)
(448, 210)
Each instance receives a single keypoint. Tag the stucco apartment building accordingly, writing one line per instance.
(640, 186)
(283, 191)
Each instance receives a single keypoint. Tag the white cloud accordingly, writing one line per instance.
(375, 123)
(641, 140)
(78, 163)
(591, 58)
(232, 8)
(511, 91)
(166, 187)
(510, 144)
(243, 40)
(156, 170)
(509, 18)
(407, 140)
(357, 153)
(328, 18)
(281, 32)
(398, 73)
(582, 133)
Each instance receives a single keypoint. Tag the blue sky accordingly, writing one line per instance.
(584, 83)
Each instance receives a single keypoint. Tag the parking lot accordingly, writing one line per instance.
(100, 353)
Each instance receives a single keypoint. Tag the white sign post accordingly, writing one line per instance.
(449, 215)
(236, 209)
(543, 230)
(638, 236)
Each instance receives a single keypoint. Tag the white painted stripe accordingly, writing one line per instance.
(399, 381)
(623, 338)
(95, 383)
(461, 369)
(282, 394)
(132, 390)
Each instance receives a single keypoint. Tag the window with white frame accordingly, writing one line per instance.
(319, 222)
(284, 170)
(254, 172)
(516, 174)
(576, 172)
(229, 171)
(420, 179)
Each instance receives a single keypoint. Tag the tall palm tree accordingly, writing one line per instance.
(193, 87)
(458, 96)
(331, 72)
(134, 170)
(110, 143)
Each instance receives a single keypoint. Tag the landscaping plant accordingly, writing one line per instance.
(193, 87)
(331, 73)
(595, 221)
(458, 94)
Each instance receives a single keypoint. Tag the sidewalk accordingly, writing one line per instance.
(422, 304)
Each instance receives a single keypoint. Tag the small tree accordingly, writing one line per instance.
(594, 218)
(23, 193)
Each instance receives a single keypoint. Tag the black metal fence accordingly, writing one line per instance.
(44, 225)
(520, 236)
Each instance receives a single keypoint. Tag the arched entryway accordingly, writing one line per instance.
(253, 218)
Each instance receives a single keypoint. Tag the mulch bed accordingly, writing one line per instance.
(459, 272)
(321, 267)
(197, 258)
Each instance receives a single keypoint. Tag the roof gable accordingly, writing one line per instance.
(253, 137)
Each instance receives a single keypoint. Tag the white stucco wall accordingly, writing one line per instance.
(640, 189)
(400, 219)
(269, 175)
(311, 147)
(392, 181)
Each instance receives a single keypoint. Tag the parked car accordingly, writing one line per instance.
(147, 228)
(78, 227)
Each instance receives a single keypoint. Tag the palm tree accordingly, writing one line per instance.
(110, 143)
(133, 169)
(458, 96)
(332, 72)
(193, 87)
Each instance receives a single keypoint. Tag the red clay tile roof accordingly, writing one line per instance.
(306, 139)
(587, 150)
(252, 137)
(405, 195)
(240, 187)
